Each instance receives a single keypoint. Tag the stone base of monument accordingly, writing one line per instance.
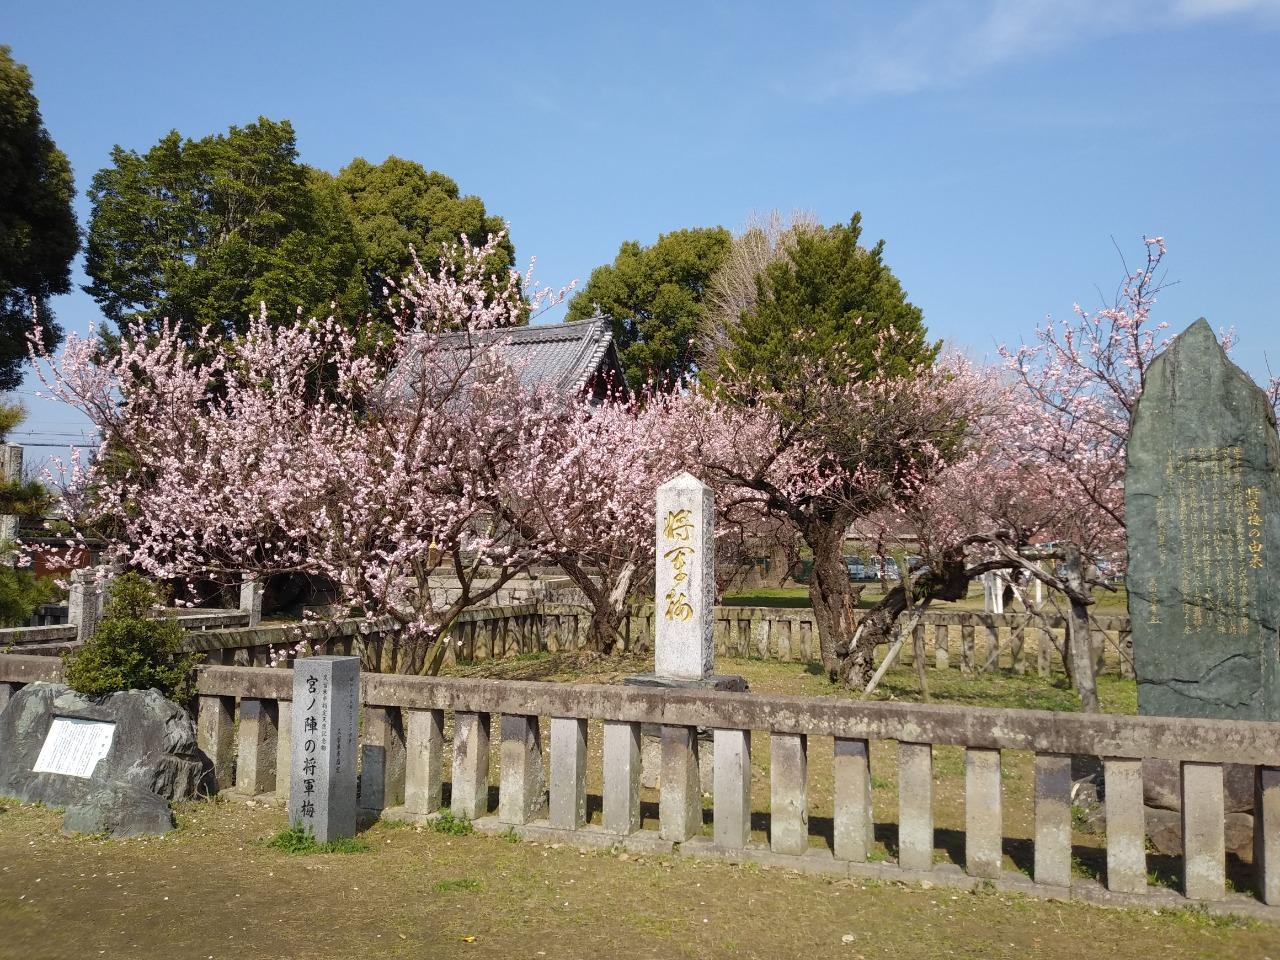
(113, 762)
(1162, 799)
(1162, 795)
(1164, 830)
(651, 733)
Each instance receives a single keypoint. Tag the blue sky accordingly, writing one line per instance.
(997, 145)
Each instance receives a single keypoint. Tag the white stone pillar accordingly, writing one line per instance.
(685, 649)
(251, 599)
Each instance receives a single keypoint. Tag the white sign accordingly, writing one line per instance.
(73, 746)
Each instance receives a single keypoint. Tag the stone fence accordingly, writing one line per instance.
(966, 639)
(55, 639)
(417, 730)
(971, 641)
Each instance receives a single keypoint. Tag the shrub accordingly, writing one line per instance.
(132, 649)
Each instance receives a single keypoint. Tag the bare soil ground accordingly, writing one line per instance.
(214, 890)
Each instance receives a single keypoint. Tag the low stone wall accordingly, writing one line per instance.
(961, 639)
(56, 640)
(970, 641)
(22, 636)
(244, 725)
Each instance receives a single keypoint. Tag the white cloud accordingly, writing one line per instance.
(943, 42)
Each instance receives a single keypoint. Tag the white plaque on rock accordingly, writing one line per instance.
(73, 746)
(685, 595)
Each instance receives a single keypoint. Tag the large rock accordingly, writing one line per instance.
(153, 758)
(1202, 490)
(1162, 785)
(1164, 830)
(120, 810)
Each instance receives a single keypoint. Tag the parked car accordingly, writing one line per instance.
(857, 569)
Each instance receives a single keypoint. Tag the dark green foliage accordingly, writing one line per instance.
(132, 649)
(202, 231)
(20, 590)
(38, 232)
(656, 298)
(20, 593)
(827, 297)
(398, 207)
(298, 840)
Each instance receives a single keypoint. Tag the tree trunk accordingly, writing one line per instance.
(949, 582)
(1079, 644)
(607, 601)
(829, 593)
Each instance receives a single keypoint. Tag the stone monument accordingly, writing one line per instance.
(685, 580)
(685, 590)
(322, 783)
(114, 762)
(1201, 491)
(684, 611)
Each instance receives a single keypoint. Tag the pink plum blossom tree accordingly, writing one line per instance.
(294, 449)
(833, 444)
(582, 494)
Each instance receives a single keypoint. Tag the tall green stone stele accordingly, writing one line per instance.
(1201, 493)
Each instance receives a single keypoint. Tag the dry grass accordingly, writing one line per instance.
(214, 889)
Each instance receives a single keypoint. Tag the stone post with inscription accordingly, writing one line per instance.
(1201, 491)
(679, 759)
(322, 782)
(685, 580)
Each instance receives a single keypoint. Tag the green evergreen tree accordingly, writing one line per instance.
(826, 296)
(827, 313)
(656, 298)
(398, 207)
(38, 232)
(202, 231)
(132, 648)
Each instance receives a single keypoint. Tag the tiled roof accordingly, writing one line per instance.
(562, 356)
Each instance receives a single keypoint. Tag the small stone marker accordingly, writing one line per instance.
(684, 649)
(1201, 491)
(322, 787)
(10, 470)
